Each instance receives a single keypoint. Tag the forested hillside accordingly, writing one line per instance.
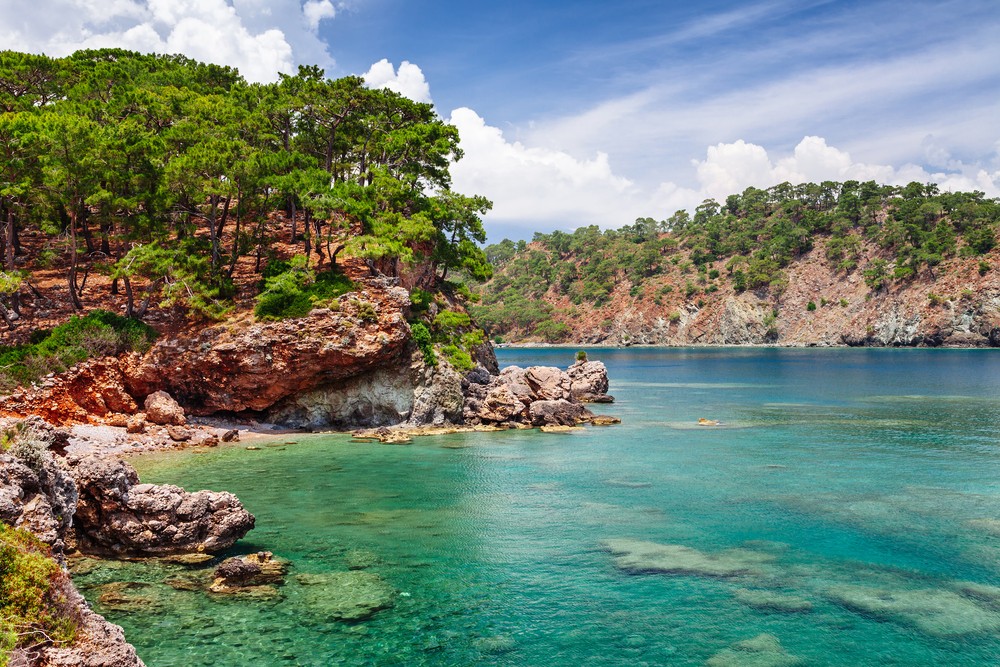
(162, 173)
(835, 247)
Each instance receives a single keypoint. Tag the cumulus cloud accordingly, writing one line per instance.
(538, 188)
(408, 80)
(256, 36)
(317, 10)
(535, 186)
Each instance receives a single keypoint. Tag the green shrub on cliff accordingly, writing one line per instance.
(33, 610)
(97, 334)
(292, 289)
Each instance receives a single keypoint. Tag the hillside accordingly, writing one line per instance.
(828, 264)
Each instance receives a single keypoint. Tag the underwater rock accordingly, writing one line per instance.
(637, 556)
(772, 601)
(935, 612)
(764, 650)
(252, 574)
(127, 596)
(346, 596)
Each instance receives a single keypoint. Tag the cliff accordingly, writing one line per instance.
(956, 303)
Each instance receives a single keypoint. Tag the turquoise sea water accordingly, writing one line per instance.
(865, 483)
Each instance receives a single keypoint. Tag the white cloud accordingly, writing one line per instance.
(317, 10)
(408, 80)
(260, 37)
(539, 188)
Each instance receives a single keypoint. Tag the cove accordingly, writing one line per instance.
(845, 511)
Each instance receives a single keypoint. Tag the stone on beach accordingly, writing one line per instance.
(638, 556)
(162, 409)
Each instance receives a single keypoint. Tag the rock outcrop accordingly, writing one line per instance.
(118, 516)
(248, 365)
(536, 396)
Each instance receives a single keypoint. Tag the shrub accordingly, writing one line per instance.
(811, 306)
(934, 299)
(674, 317)
(291, 289)
(366, 311)
(420, 300)
(422, 337)
(581, 355)
(97, 334)
(33, 610)
(843, 303)
(457, 357)
(984, 267)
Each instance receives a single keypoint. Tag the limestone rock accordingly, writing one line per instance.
(254, 574)
(162, 409)
(98, 643)
(118, 516)
(249, 365)
(499, 405)
(38, 496)
(548, 383)
(558, 412)
(588, 381)
(178, 433)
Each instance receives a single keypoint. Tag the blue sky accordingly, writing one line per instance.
(590, 112)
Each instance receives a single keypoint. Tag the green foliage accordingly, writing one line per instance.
(460, 359)
(291, 289)
(581, 355)
(877, 274)
(811, 306)
(97, 334)
(33, 610)
(365, 311)
(422, 337)
(420, 300)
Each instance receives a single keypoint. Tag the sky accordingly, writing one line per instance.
(583, 112)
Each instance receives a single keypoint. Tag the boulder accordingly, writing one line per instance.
(255, 574)
(118, 516)
(136, 424)
(558, 412)
(588, 380)
(499, 405)
(548, 383)
(162, 409)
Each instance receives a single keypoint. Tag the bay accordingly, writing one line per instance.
(846, 507)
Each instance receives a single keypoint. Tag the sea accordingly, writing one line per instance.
(842, 508)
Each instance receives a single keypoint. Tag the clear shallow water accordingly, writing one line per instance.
(851, 475)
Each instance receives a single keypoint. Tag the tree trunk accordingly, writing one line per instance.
(71, 278)
(8, 250)
(292, 206)
(88, 238)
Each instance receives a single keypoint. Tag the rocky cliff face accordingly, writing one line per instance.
(956, 303)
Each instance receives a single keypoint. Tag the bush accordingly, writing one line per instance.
(291, 289)
(581, 355)
(97, 334)
(420, 299)
(422, 337)
(811, 306)
(33, 610)
(458, 358)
